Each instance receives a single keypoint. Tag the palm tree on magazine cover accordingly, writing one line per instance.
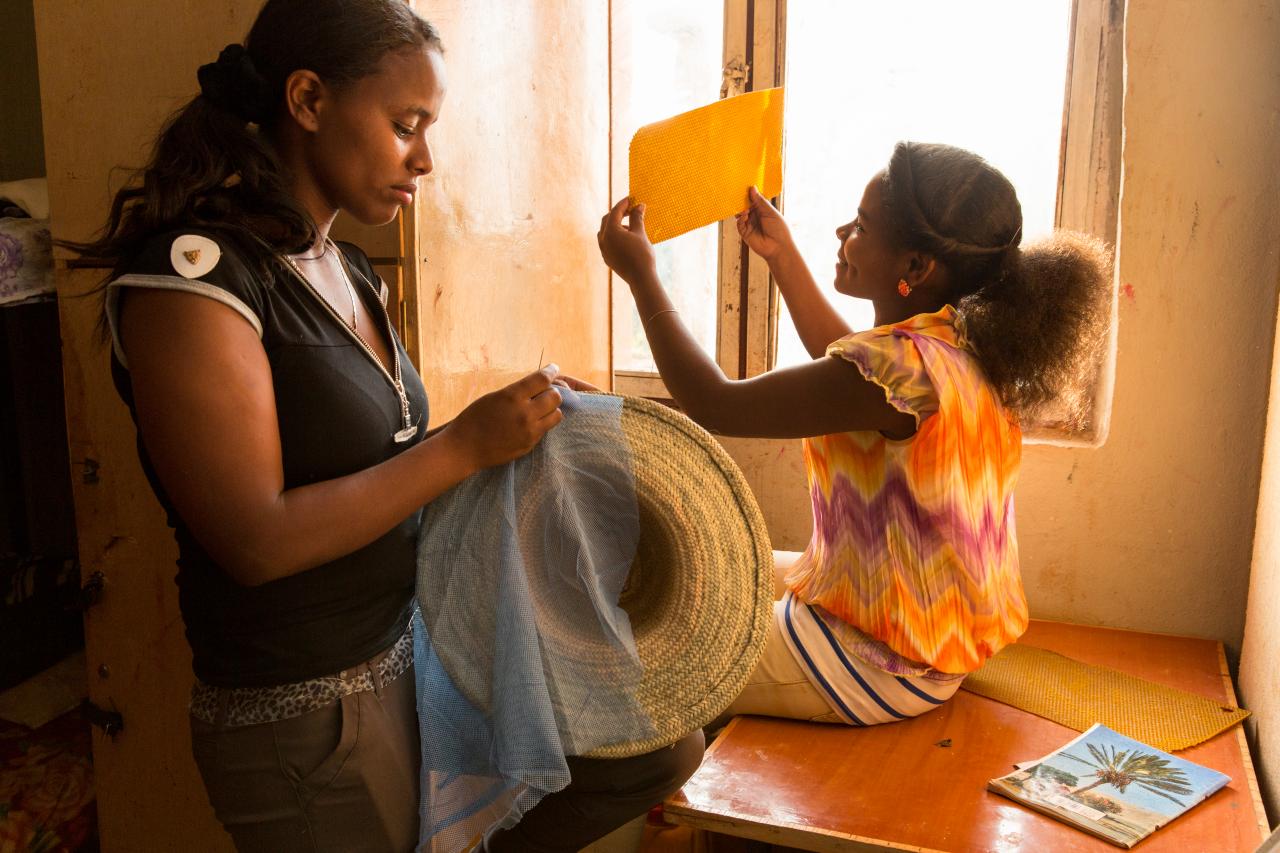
(1123, 768)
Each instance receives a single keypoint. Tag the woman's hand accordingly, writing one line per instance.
(507, 423)
(626, 248)
(762, 227)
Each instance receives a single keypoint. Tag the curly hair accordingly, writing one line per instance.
(1034, 316)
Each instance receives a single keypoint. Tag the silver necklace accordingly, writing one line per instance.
(408, 429)
(346, 281)
(351, 297)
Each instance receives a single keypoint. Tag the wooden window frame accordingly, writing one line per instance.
(1088, 193)
(1089, 181)
(746, 324)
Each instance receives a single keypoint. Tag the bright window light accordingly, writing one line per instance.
(673, 53)
(986, 75)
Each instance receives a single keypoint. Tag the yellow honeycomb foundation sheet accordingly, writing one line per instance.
(694, 169)
(1078, 695)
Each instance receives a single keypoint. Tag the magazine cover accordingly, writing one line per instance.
(1110, 786)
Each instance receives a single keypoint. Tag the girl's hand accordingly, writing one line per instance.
(507, 423)
(626, 248)
(762, 227)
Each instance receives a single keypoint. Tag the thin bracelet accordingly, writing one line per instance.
(659, 314)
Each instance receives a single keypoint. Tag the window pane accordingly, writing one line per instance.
(986, 75)
(666, 59)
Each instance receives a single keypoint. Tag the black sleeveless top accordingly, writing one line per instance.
(337, 414)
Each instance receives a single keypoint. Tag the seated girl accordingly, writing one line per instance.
(911, 430)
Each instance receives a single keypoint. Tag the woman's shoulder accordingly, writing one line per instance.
(198, 261)
(192, 254)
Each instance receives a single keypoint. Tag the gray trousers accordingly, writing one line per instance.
(341, 778)
(345, 779)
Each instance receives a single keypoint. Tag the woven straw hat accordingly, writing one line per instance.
(699, 593)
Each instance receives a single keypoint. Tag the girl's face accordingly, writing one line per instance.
(370, 144)
(867, 264)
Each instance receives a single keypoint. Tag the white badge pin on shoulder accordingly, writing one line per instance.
(193, 256)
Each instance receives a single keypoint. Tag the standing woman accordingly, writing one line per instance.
(283, 427)
(912, 429)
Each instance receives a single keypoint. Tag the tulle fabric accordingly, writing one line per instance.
(522, 655)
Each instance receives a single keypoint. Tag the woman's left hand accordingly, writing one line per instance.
(626, 248)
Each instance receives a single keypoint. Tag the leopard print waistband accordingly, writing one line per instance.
(247, 706)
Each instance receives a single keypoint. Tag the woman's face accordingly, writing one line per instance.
(868, 266)
(370, 145)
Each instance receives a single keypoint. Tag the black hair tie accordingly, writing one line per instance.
(234, 84)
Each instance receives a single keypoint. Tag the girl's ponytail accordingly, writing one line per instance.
(1039, 326)
(1036, 316)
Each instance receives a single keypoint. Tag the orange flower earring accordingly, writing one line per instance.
(904, 289)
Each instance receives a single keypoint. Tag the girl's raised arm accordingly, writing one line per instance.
(766, 233)
(824, 396)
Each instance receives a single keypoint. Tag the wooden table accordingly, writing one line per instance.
(895, 787)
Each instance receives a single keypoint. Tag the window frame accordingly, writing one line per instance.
(1089, 182)
(1087, 199)
(746, 324)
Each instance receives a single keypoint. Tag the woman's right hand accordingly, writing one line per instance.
(762, 227)
(507, 423)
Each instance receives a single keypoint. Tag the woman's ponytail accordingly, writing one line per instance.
(234, 84)
(214, 166)
(211, 168)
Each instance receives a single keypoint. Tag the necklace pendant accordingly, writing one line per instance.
(405, 434)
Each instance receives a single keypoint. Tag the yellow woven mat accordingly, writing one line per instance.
(1078, 695)
(694, 169)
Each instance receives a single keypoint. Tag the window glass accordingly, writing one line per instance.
(986, 75)
(667, 59)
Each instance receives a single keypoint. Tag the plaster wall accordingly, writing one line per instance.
(1154, 530)
(510, 272)
(1259, 674)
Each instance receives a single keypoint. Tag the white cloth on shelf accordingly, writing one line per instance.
(30, 194)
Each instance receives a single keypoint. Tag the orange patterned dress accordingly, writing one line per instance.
(913, 564)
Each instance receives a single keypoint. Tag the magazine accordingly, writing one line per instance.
(1110, 786)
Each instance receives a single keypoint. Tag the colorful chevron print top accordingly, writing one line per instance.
(914, 551)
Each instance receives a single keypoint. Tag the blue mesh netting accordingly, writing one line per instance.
(521, 652)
